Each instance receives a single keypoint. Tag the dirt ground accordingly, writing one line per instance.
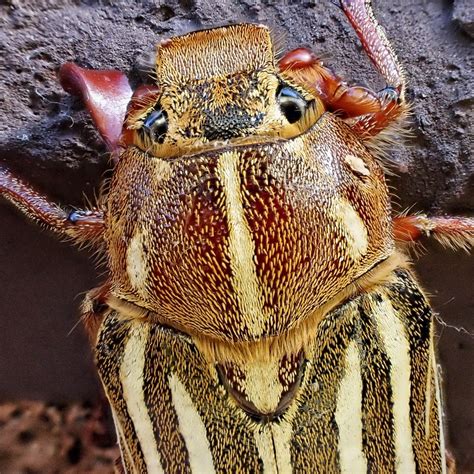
(49, 140)
(39, 438)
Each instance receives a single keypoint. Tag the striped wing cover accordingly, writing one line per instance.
(368, 400)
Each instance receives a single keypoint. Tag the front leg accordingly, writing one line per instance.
(106, 95)
(368, 112)
(81, 226)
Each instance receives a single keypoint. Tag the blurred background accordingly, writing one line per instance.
(53, 417)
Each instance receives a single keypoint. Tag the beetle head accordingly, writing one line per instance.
(214, 86)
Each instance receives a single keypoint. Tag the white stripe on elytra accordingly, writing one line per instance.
(191, 428)
(349, 415)
(398, 351)
(241, 246)
(131, 376)
(273, 445)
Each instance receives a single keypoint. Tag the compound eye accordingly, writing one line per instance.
(156, 125)
(292, 104)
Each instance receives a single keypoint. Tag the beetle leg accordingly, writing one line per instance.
(378, 48)
(455, 232)
(82, 226)
(375, 43)
(372, 111)
(367, 112)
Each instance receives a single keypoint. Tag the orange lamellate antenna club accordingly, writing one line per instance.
(299, 58)
(335, 94)
(106, 95)
(141, 102)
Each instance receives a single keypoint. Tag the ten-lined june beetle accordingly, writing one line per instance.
(260, 314)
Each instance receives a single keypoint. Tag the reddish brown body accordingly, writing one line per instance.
(257, 287)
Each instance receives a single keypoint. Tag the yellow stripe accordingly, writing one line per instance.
(349, 415)
(191, 428)
(137, 267)
(282, 433)
(131, 376)
(397, 348)
(241, 247)
(354, 228)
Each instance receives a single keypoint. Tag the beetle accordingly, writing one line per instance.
(256, 279)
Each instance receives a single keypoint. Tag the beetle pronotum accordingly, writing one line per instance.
(259, 313)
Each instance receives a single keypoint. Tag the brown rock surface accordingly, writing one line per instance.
(48, 139)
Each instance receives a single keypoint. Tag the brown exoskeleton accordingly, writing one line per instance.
(259, 313)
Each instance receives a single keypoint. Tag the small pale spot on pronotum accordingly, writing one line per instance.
(357, 165)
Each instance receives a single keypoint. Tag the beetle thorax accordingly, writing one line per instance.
(248, 241)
